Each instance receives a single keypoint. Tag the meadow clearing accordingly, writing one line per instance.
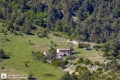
(20, 50)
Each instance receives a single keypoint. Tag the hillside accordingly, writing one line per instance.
(86, 20)
(85, 33)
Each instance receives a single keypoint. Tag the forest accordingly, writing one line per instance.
(83, 20)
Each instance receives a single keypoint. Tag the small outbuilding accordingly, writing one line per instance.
(62, 52)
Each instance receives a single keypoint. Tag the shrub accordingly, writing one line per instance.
(5, 33)
(41, 34)
(2, 54)
(56, 63)
(47, 37)
(51, 42)
(63, 63)
(91, 64)
(97, 63)
(2, 31)
(105, 54)
(56, 34)
(54, 45)
(15, 33)
(30, 75)
(11, 30)
(70, 57)
(87, 61)
(77, 68)
(80, 45)
(7, 39)
(30, 42)
(99, 69)
(110, 57)
(80, 60)
(2, 67)
(39, 56)
(20, 34)
(44, 60)
(96, 47)
(86, 45)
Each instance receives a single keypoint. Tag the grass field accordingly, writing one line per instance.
(90, 54)
(21, 50)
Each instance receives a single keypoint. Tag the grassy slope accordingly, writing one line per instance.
(21, 50)
(90, 54)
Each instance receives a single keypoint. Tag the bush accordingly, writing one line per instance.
(51, 42)
(110, 57)
(2, 54)
(81, 60)
(96, 47)
(97, 63)
(44, 60)
(2, 31)
(80, 45)
(39, 56)
(47, 37)
(30, 76)
(99, 69)
(7, 39)
(20, 33)
(87, 61)
(5, 33)
(2, 67)
(56, 34)
(91, 64)
(77, 68)
(105, 54)
(63, 63)
(41, 35)
(86, 45)
(15, 33)
(54, 45)
(56, 63)
(30, 42)
(70, 57)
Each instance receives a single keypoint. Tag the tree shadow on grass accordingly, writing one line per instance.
(31, 34)
(27, 66)
(32, 79)
(6, 57)
(75, 53)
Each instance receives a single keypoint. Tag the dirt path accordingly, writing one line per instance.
(76, 43)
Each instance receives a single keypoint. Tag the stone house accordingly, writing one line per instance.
(62, 52)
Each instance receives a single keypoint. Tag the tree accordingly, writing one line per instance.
(51, 42)
(80, 45)
(2, 54)
(87, 61)
(85, 75)
(70, 45)
(51, 54)
(26, 62)
(58, 28)
(27, 31)
(81, 60)
(67, 76)
(30, 76)
(56, 63)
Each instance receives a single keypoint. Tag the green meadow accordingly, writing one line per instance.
(20, 50)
